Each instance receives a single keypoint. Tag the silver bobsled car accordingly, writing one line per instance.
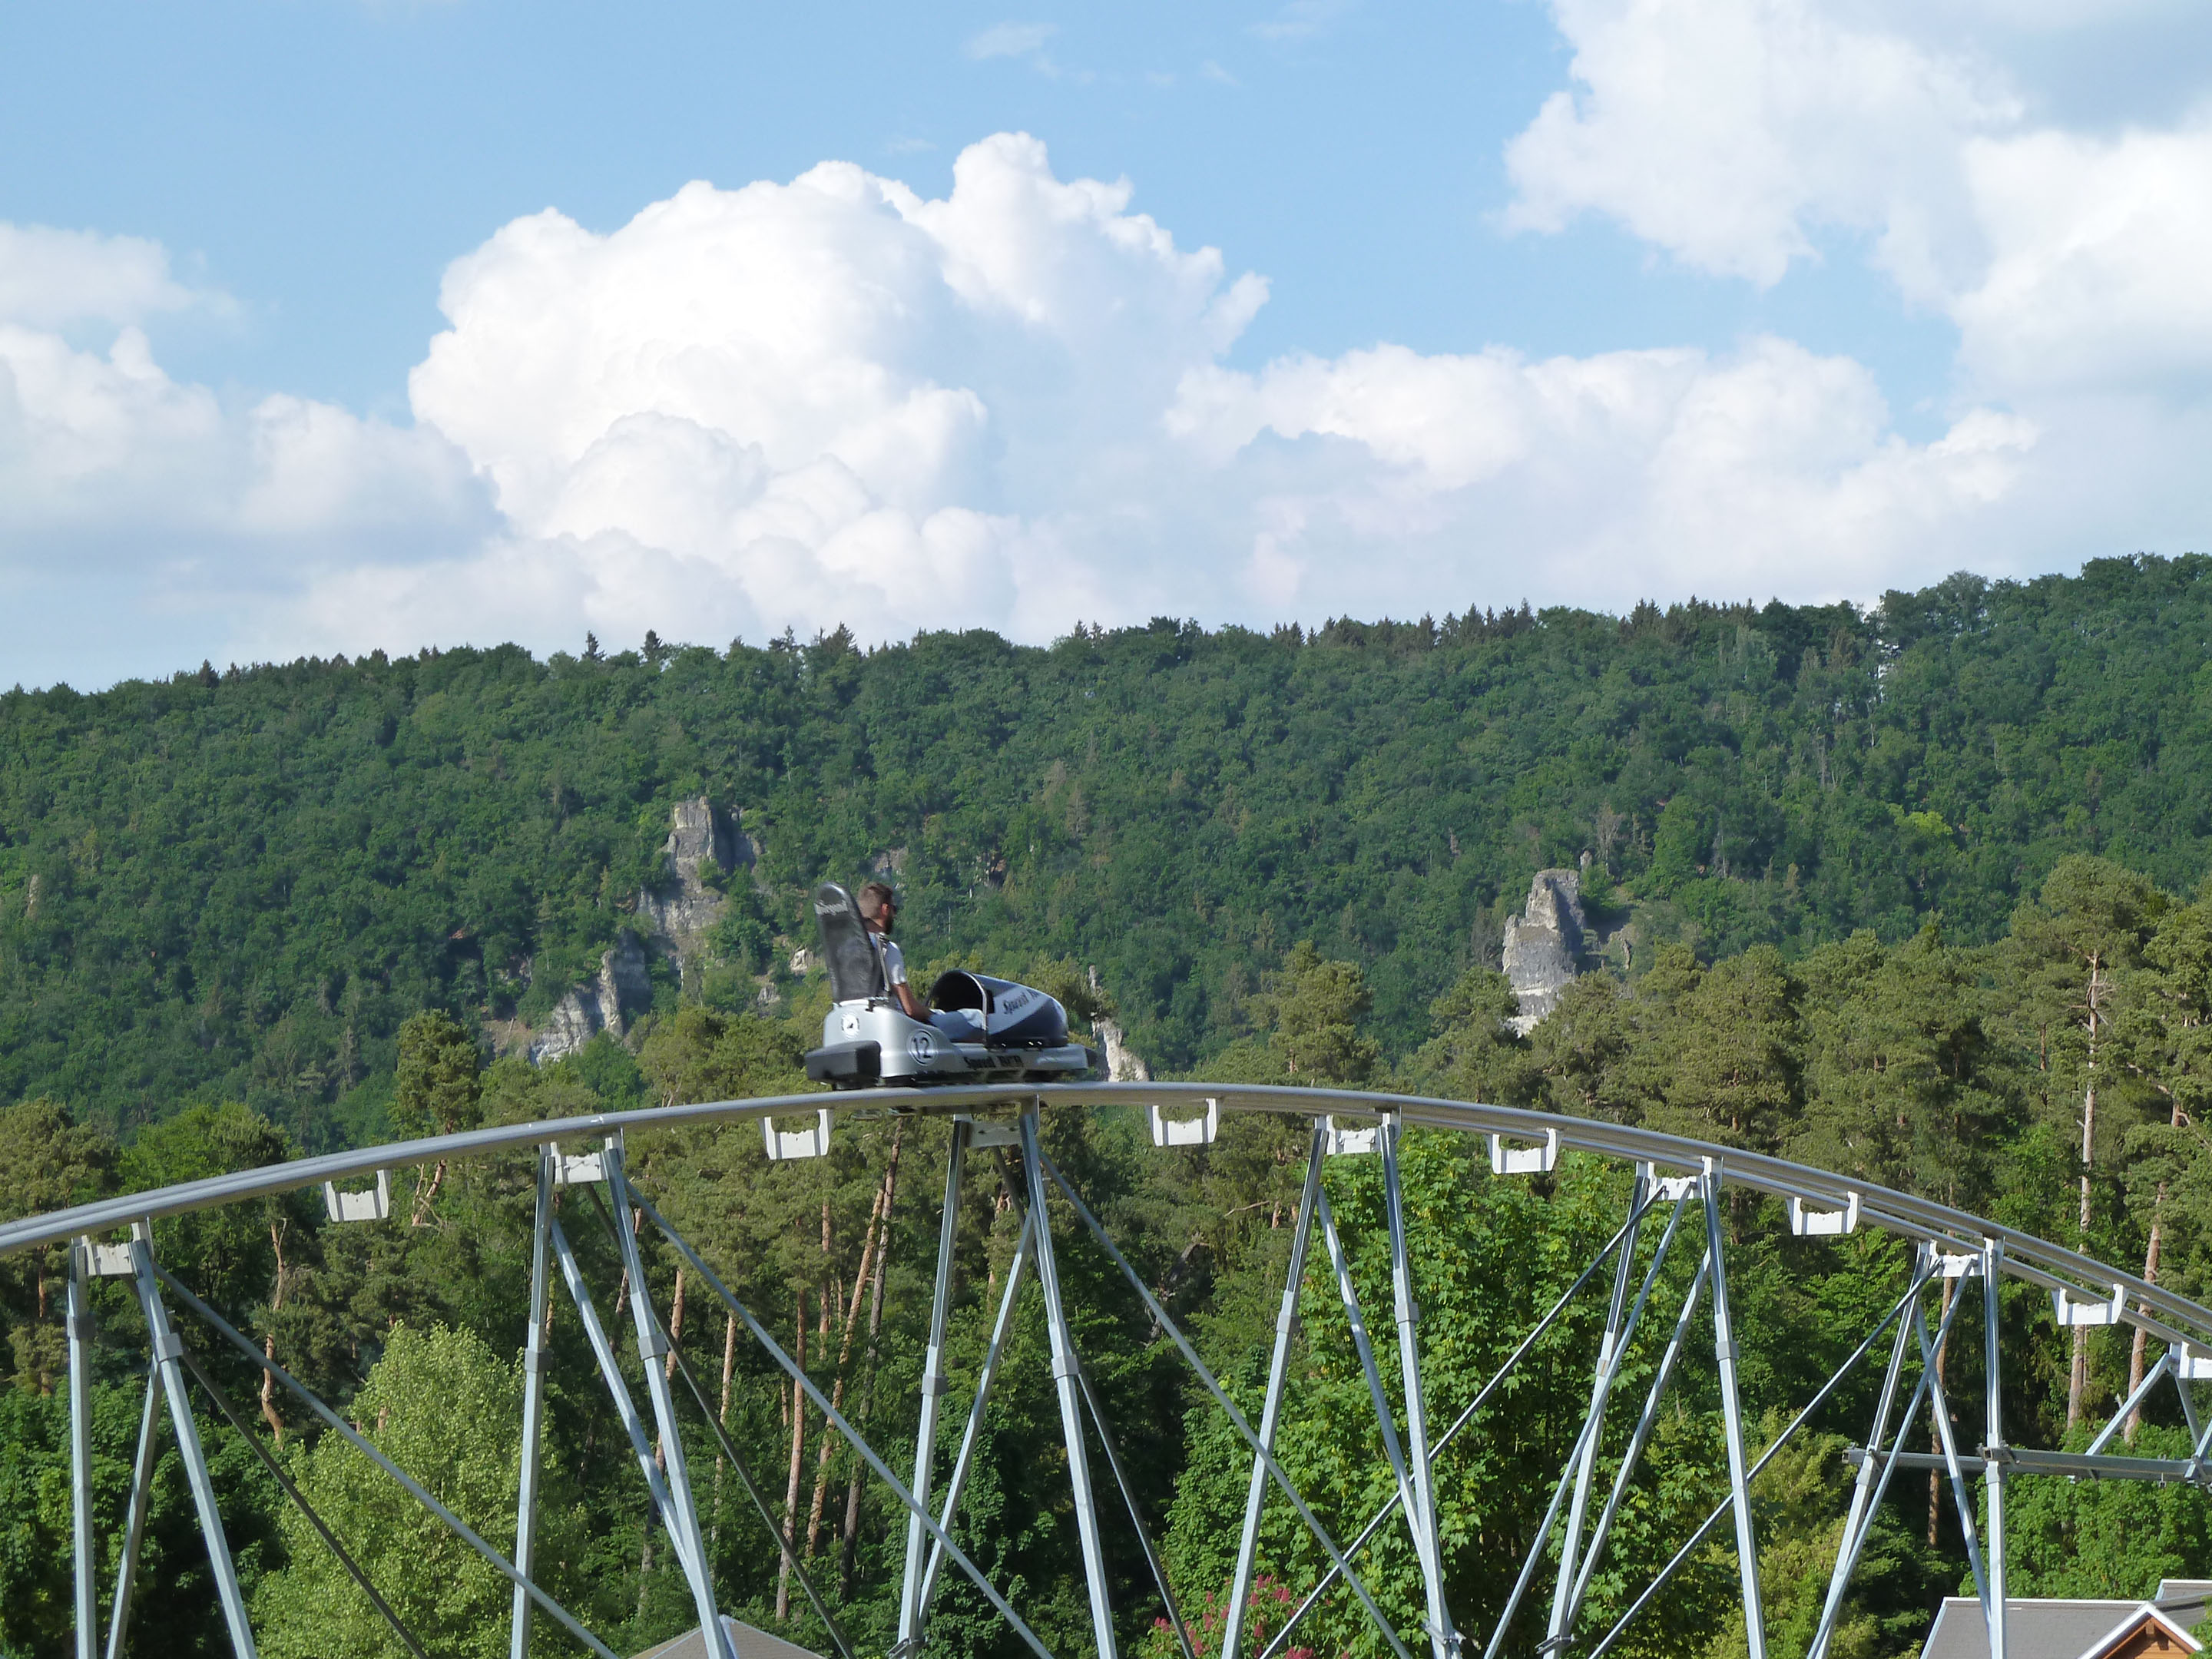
(979, 1029)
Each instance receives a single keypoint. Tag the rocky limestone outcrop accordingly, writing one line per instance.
(1544, 945)
(1123, 1065)
(623, 985)
(698, 833)
(679, 912)
(574, 1021)
(683, 908)
(622, 989)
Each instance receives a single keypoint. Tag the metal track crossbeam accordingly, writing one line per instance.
(1949, 1243)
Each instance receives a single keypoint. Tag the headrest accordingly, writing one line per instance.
(856, 970)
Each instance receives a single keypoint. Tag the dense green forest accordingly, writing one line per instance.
(235, 886)
(1899, 892)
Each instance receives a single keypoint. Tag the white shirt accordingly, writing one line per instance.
(894, 961)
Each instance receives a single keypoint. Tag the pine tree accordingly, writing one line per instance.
(2075, 944)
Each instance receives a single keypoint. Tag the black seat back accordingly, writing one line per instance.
(856, 968)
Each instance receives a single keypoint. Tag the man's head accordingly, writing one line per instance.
(878, 906)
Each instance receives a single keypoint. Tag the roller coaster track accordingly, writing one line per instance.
(1676, 1186)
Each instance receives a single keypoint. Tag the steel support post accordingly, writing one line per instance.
(1281, 1637)
(1746, 1541)
(134, 1523)
(1348, 1294)
(80, 1399)
(1443, 1639)
(2141, 1393)
(2200, 1434)
(1993, 1447)
(307, 1512)
(2188, 1404)
(957, 1482)
(1279, 1365)
(932, 1389)
(361, 1442)
(2197, 1432)
(602, 1351)
(1238, 1420)
(1789, 1432)
(759, 1500)
(835, 1419)
(1861, 1514)
(653, 1354)
(1071, 1399)
(168, 1351)
(1855, 1543)
(1136, 1516)
(1636, 1443)
(1583, 1438)
(1940, 1408)
(533, 1410)
(1601, 1394)
(1535, 1555)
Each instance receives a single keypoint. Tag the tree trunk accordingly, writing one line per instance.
(268, 1342)
(797, 1449)
(868, 1384)
(1936, 1476)
(729, 1365)
(675, 1324)
(2077, 1382)
(425, 1191)
(2150, 1277)
(852, 1318)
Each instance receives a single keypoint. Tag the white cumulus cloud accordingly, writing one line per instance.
(49, 277)
(829, 400)
(107, 448)
(1745, 137)
(1628, 472)
(1732, 132)
(835, 399)
(171, 513)
(2099, 273)
(1736, 134)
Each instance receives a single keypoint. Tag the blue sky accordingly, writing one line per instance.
(1578, 301)
(322, 163)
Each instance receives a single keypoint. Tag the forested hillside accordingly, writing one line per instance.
(237, 884)
(1916, 896)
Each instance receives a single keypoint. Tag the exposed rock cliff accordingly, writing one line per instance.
(574, 1021)
(1122, 1065)
(1544, 945)
(679, 912)
(683, 908)
(683, 904)
(621, 989)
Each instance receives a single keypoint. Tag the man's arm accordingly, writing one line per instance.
(895, 974)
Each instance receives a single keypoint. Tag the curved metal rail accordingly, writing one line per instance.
(1669, 1170)
(2170, 1317)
